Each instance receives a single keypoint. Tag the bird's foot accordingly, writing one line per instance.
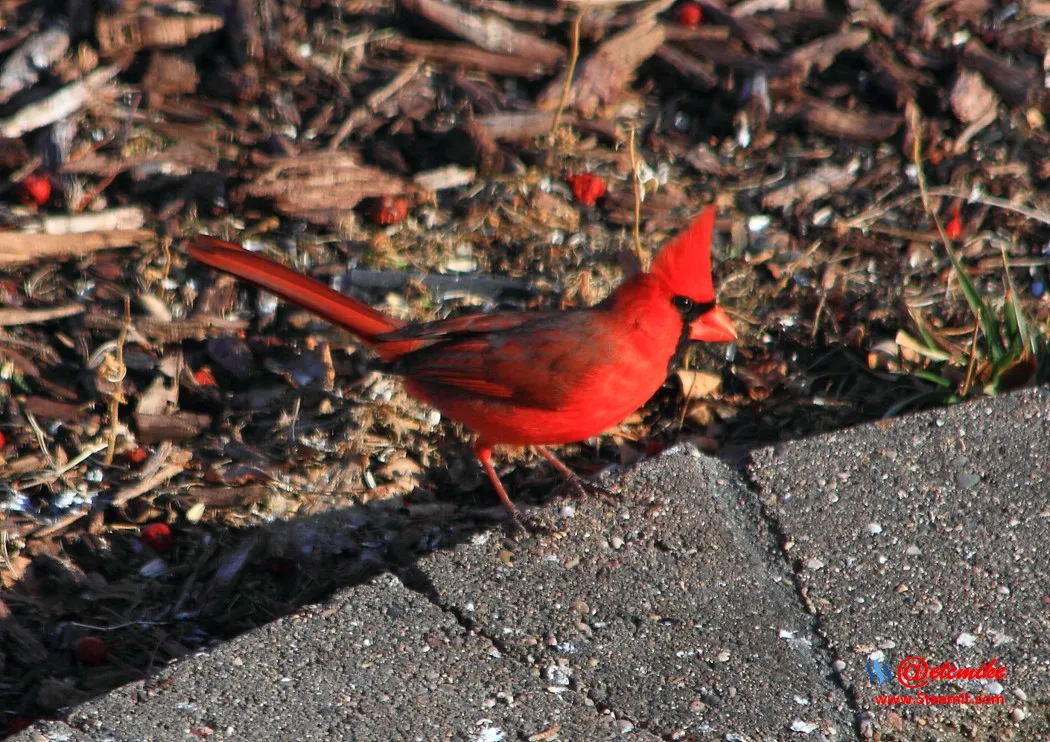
(531, 524)
(586, 486)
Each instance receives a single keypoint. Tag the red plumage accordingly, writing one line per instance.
(526, 378)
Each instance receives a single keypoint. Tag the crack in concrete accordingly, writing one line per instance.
(416, 580)
(777, 539)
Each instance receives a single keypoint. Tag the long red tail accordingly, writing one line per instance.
(359, 318)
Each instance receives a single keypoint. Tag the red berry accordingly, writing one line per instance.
(136, 455)
(3, 441)
(954, 229)
(689, 15)
(91, 650)
(204, 377)
(35, 190)
(587, 188)
(388, 210)
(157, 536)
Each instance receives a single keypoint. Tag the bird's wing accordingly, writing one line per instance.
(527, 358)
(468, 324)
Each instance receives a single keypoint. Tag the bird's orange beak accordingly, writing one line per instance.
(714, 326)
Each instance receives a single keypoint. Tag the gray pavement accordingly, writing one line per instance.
(702, 603)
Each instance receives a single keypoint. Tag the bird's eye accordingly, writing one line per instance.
(684, 303)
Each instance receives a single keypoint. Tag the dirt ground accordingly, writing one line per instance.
(880, 171)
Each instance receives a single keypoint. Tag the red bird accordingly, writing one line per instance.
(526, 378)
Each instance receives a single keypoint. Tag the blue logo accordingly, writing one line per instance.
(878, 671)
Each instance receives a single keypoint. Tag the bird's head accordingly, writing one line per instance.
(683, 270)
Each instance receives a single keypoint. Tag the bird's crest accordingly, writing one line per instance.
(684, 263)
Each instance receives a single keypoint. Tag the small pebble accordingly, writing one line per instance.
(616, 542)
(874, 529)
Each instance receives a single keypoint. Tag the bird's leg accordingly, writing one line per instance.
(527, 524)
(483, 450)
(580, 484)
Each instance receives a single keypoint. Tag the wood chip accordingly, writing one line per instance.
(971, 98)
(176, 331)
(322, 186)
(518, 125)
(147, 484)
(110, 220)
(817, 184)
(698, 384)
(833, 121)
(25, 247)
(23, 66)
(11, 317)
(1014, 83)
(179, 426)
(49, 409)
(470, 57)
(606, 74)
(60, 104)
(127, 33)
(444, 178)
(488, 32)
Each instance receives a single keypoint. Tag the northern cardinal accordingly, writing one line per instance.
(526, 378)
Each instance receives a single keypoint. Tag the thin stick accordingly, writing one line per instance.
(118, 379)
(85, 454)
(637, 183)
(574, 55)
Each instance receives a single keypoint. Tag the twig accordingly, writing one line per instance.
(637, 183)
(85, 453)
(40, 440)
(574, 55)
(45, 531)
(362, 113)
(139, 488)
(861, 221)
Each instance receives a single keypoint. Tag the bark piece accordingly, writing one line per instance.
(488, 32)
(179, 426)
(121, 34)
(322, 187)
(833, 121)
